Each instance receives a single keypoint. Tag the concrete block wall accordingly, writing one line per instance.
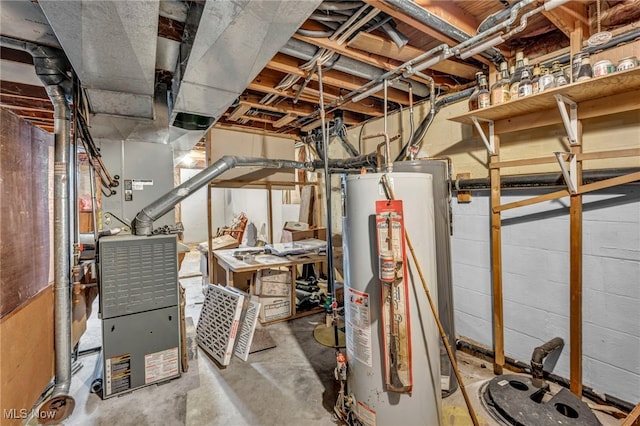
(535, 247)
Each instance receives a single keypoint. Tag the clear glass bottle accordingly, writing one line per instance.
(558, 74)
(535, 81)
(525, 87)
(500, 91)
(547, 81)
(484, 96)
(517, 74)
(473, 99)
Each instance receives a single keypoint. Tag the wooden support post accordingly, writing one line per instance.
(575, 256)
(210, 261)
(633, 419)
(575, 279)
(496, 262)
(270, 212)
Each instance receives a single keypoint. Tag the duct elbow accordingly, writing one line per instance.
(229, 160)
(142, 224)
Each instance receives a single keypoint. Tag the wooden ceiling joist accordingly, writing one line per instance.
(366, 57)
(290, 65)
(426, 29)
(449, 11)
(14, 55)
(267, 80)
(7, 100)
(284, 120)
(568, 17)
(170, 29)
(261, 128)
(381, 46)
(300, 109)
(239, 111)
(284, 106)
(45, 112)
(22, 91)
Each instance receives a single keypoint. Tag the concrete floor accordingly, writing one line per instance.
(291, 384)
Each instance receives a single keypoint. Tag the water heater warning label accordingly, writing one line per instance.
(118, 374)
(358, 319)
(161, 365)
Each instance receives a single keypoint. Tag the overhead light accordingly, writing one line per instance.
(374, 89)
(187, 161)
(481, 47)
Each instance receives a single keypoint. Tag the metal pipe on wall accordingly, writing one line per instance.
(51, 66)
(541, 180)
(306, 51)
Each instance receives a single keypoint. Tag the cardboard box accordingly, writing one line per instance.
(224, 242)
(289, 236)
(274, 308)
(271, 282)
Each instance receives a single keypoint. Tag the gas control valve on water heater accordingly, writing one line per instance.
(373, 319)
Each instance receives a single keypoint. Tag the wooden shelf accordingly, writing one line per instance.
(592, 90)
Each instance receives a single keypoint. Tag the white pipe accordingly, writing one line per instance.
(481, 47)
(552, 4)
(374, 89)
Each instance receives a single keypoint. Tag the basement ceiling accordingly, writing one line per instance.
(166, 71)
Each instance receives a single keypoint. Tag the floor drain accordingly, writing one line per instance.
(518, 402)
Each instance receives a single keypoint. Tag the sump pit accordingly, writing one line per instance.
(516, 400)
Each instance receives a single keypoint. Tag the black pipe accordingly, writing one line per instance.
(538, 356)
(496, 18)
(543, 180)
(424, 125)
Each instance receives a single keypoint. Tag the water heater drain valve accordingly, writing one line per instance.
(341, 367)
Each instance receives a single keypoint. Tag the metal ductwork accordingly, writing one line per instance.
(51, 67)
(112, 48)
(143, 222)
(306, 51)
(224, 57)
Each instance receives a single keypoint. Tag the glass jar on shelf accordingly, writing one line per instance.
(558, 74)
(585, 72)
(500, 92)
(547, 81)
(473, 99)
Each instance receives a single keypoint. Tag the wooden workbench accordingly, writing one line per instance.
(226, 263)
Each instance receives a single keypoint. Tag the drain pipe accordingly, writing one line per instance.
(538, 356)
(51, 66)
(416, 138)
